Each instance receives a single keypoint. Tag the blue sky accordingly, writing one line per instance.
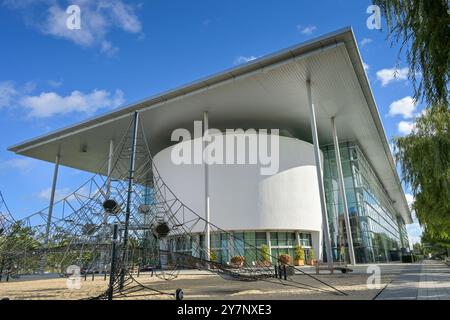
(51, 77)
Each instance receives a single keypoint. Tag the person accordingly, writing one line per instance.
(342, 254)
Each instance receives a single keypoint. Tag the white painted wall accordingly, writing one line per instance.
(243, 199)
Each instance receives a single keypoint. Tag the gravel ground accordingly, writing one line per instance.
(203, 286)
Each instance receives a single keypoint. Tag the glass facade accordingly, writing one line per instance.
(247, 244)
(378, 232)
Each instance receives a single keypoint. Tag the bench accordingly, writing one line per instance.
(338, 266)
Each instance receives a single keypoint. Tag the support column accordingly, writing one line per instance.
(110, 159)
(269, 243)
(207, 212)
(104, 251)
(340, 173)
(129, 193)
(323, 205)
(50, 213)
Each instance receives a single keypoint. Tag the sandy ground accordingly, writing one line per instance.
(201, 286)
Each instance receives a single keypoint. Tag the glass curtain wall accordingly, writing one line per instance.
(378, 232)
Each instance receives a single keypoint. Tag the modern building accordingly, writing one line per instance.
(336, 171)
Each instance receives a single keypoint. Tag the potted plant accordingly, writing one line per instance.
(237, 261)
(213, 256)
(265, 262)
(299, 256)
(284, 259)
(312, 257)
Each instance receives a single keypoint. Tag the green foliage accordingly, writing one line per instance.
(424, 158)
(422, 27)
(299, 253)
(312, 255)
(265, 253)
(434, 243)
(418, 248)
(19, 248)
(213, 255)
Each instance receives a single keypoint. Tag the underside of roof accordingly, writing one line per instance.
(269, 92)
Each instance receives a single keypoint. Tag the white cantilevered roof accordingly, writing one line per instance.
(268, 92)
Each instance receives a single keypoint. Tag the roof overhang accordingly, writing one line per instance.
(268, 92)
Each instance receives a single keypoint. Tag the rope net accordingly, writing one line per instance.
(162, 233)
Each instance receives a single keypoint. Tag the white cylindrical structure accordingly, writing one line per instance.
(242, 199)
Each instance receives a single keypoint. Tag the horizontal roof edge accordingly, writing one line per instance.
(205, 82)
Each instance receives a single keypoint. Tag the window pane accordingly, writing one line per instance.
(274, 238)
(282, 239)
(260, 239)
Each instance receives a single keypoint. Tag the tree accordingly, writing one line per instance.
(435, 245)
(422, 27)
(424, 158)
(19, 249)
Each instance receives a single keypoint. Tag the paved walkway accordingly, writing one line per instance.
(429, 280)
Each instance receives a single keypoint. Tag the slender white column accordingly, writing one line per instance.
(50, 213)
(207, 212)
(269, 242)
(340, 173)
(323, 205)
(110, 159)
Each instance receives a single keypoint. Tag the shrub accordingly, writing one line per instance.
(265, 253)
(237, 259)
(212, 255)
(312, 256)
(299, 253)
(284, 259)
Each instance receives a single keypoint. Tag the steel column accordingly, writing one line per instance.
(323, 204)
(50, 212)
(340, 173)
(110, 159)
(129, 193)
(207, 208)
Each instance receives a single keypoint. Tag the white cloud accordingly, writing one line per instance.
(365, 41)
(404, 107)
(98, 18)
(366, 67)
(306, 30)
(387, 76)
(7, 93)
(48, 104)
(243, 59)
(405, 127)
(59, 194)
(21, 165)
(108, 48)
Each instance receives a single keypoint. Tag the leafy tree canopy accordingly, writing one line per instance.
(422, 27)
(424, 157)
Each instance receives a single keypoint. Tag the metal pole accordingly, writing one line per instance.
(50, 213)
(110, 158)
(103, 254)
(112, 273)
(323, 205)
(129, 193)
(207, 208)
(337, 152)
